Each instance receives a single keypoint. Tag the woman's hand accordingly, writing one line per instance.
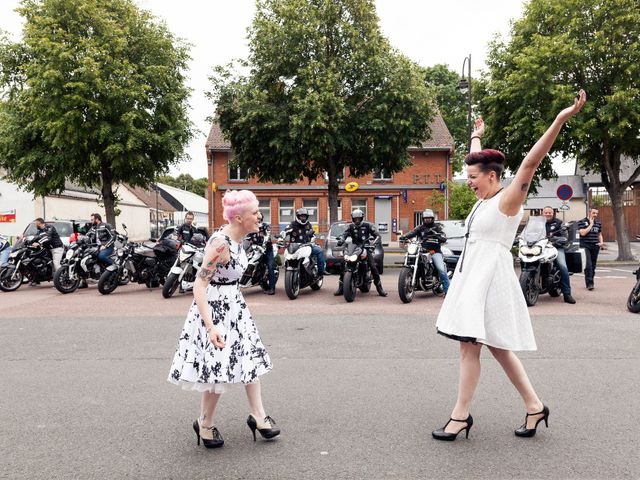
(215, 337)
(478, 128)
(569, 112)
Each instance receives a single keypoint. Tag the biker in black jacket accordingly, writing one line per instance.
(428, 230)
(556, 230)
(362, 233)
(301, 231)
(186, 230)
(104, 234)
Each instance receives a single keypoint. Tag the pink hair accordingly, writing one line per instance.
(237, 202)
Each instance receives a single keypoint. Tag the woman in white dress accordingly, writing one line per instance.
(219, 343)
(484, 304)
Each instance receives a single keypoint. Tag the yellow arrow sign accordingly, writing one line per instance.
(351, 187)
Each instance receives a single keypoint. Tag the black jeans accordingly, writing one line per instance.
(591, 251)
(372, 265)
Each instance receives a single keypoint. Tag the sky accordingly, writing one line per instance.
(428, 32)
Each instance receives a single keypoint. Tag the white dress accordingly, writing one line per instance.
(197, 364)
(485, 303)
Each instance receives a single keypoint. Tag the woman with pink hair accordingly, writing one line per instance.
(219, 343)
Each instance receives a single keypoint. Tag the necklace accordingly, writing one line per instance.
(489, 198)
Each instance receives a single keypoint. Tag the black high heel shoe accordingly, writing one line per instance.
(523, 431)
(440, 434)
(214, 442)
(265, 432)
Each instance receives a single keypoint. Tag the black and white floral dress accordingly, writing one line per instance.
(197, 364)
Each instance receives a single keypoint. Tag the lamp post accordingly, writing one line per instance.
(465, 84)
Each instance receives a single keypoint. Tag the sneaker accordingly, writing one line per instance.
(590, 287)
(271, 291)
(569, 299)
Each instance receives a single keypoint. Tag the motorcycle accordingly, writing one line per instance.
(30, 261)
(143, 263)
(539, 273)
(357, 274)
(257, 272)
(80, 263)
(301, 269)
(633, 302)
(184, 270)
(419, 272)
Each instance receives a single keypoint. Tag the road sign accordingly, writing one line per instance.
(443, 186)
(564, 192)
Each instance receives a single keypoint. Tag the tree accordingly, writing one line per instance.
(94, 93)
(556, 48)
(461, 200)
(324, 91)
(185, 181)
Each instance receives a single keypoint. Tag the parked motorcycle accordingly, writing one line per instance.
(539, 273)
(633, 302)
(357, 274)
(419, 273)
(185, 268)
(301, 269)
(144, 263)
(257, 272)
(30, 261)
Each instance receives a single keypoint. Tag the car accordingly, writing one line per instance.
(455, 231)
(67, 229)
(333, 253)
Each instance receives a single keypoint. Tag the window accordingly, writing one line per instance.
(311, 204)
(238, 174)
(360, 203)
(286, 211)
(339, 210)
(265, 209)
(417, 218)
(382, 174)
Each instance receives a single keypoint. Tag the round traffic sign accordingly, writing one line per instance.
(564, 192)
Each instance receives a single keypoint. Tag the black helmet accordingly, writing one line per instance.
(357, 216)
(302, 212)
(197, 240)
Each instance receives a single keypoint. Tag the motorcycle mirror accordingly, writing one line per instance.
(124, 226)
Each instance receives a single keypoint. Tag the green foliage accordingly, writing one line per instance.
(94, 93)
(184, 181)
(325, 91)
(461, 200)
(556, 48)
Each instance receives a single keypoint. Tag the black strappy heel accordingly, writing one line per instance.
(523, 431)
(440, 434)
(215, 442)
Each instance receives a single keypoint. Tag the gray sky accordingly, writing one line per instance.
(427, 31)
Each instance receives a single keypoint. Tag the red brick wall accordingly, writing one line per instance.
(426, 172)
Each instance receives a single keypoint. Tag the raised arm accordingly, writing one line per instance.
(476, 135)
(515, 194)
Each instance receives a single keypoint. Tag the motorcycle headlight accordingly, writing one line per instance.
(412, 249)
(120, 252)
(69, 254)
(535, 250)
(184, 256)
(13, 255)
(350, 258)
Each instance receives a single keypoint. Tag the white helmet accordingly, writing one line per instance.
(302, 212)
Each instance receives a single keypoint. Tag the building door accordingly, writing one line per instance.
(383, 218)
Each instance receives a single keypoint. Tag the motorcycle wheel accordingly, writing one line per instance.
(6, 283)
(349, 287)
(291, 284)
(170, 285)
(633, 302)
(405, 289)
(64, 283)
(108, 282)
(366, 285)
(529, 288)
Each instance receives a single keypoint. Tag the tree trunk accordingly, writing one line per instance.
(334, 188)
(616, 189)
(108, 197)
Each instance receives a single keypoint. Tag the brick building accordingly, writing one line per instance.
(393, 202)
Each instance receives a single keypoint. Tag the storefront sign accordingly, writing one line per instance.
(8, 216)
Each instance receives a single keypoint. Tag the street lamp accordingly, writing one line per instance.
(465, 84)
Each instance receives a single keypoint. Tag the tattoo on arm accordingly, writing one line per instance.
(524, 187)
(205, 273)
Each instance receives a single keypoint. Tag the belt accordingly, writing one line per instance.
(474, 240)
(224, 283)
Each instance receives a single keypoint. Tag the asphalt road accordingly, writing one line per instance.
(357, 389)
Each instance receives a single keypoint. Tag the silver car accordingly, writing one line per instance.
(455, 231)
